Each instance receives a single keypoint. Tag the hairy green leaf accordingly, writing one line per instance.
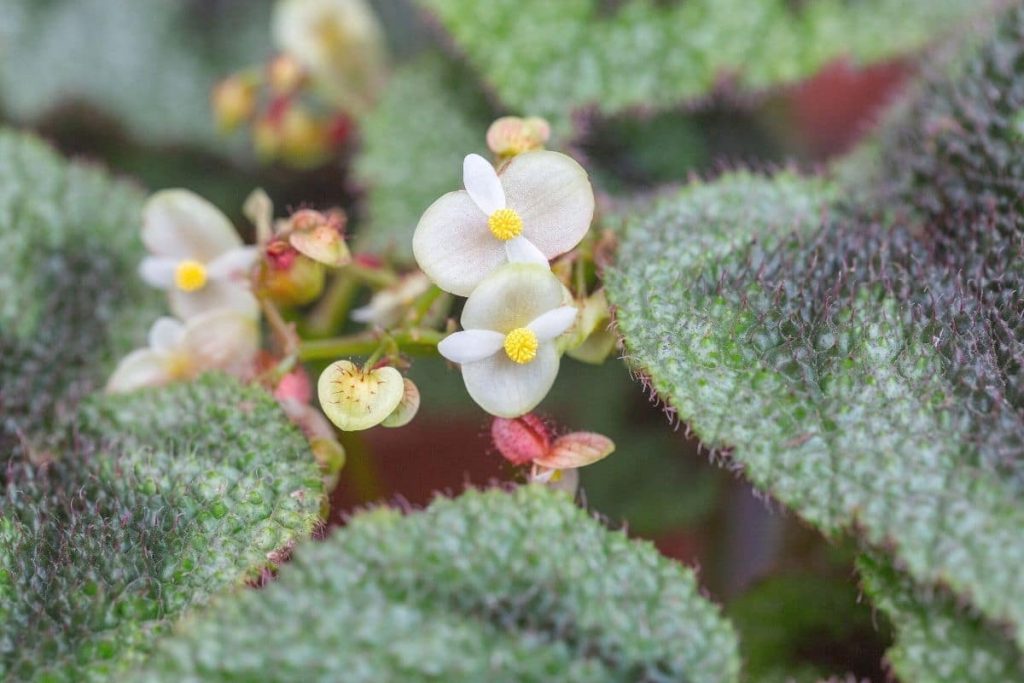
(864, 364)
(149, 64)
(550, 58)
(158, 499)
(493, 586)
(430, 117)
(71, 301)
(937, 640)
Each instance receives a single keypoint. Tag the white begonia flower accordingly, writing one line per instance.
(196, 255)
(387, 306)
(539, 207)
(339, 42)
(507, 347)
(224, 339)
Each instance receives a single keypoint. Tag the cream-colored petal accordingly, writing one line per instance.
(521, 250)
(507, 389)
(513, 296)
(482, 184)
(158, 272)
(354, 400)
(216, 294)
(553, 196)
(549, 325)
(453, 246)
(233, 264)
(140, 368)
(182, 225)
(224, 339)
(166, 334)
(470, 345)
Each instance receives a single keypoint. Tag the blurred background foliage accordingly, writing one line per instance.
(126, 83)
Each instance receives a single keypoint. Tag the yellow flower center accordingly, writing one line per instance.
(190, 275)
(521, 345)
(505, 224)
(179, 366)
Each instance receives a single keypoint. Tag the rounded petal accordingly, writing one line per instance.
(578, 449)
(507, 389)
(181, 224)
(453, 246)
(407, 407)
(216, 294)
(521, 250)
(470, 345)
(157, 271)
(140, 368)
(224, 339)
(549, 325)
(354, 400)
(166, 334)
(513, 296)
(482, 184)
(553, 196)
(234, 263)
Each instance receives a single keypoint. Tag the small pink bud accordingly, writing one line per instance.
(295, 385)
(521, 440)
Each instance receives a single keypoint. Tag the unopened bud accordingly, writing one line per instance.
(521, 440)
(288, 277)
(511, 135)
(285, 75)
(320, 236)
(233, 101)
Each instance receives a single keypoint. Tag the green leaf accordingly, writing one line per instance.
(148, 64)
(937, 640)
(413, 143)
(71, 301)
(862, 361)
(511, 586)
(551, 58)
(159, 499)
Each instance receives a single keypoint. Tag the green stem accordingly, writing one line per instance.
(413, 342)
(331, 311)
(422, 305)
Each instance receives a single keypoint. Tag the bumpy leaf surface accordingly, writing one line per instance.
(549, 58)
(413, 143)
(148, 64)
(492, 586)
(866, 372)
(71, 302)
(158, 499)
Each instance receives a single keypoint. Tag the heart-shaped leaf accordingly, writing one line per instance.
(353, 399)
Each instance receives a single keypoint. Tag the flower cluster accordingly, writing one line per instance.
(492, 243)
(330, 67)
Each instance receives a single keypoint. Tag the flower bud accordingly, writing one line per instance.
(233, 101)
(294, 386)
(591, 340)
(304, 139)
(511, 135)
(407, 407)
(285, 75)
(354, 399)
(578, 449)
(288, 277)
(521, 440)
(320, 236)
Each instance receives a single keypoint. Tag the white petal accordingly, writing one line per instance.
(216, 294)
(158, 272)
(166, 334)
(549, 325)
(553, 196)
(224, 339)
(368, 313)
(513, 296)
(521, 250)
(471, 345)
(507, 389)
(453, 246)
(234, 263)
(481, 181)
(181, 224)
(140, 368)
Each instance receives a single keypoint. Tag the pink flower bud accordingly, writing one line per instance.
(296, 386)
(521, 440)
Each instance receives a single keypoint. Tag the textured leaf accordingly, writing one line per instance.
(159, 499)
(413, 143)
(864, 369)
(937, 640)
(71, 302)
(549, 58)
(147, 63)
(492, 586)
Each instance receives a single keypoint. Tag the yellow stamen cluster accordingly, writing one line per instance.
(521, 345)
(190, 275)
(505, 224)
